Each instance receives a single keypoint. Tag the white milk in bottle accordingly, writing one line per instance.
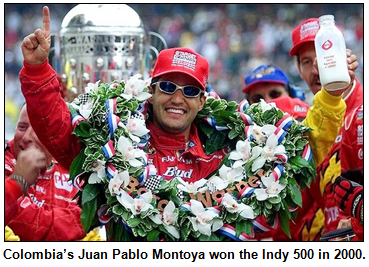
(330, 50)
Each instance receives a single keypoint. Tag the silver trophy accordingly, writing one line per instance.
(103, 43)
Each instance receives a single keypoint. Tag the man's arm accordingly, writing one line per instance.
(325, 117)
(48, 113)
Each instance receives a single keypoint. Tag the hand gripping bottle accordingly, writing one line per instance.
(330, 50)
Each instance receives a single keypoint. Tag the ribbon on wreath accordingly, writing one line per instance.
(110, 171)
(280, 134)
(113, 121)
(285, 122)
(211, 122)
(230, 232)
(101, 214)
(108, 149)
(246, 192)
(76, 118)
(243, 105)
(277, 172)
(307, 154)
(260, 225)
(111, 105)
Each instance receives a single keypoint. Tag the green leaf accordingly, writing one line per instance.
(283, 216)
(295, 192)
(243, 226)
(153, 235)
(133, 222)
(88, 213)
(76, 166)
(82, 129)
(90, 191)
(118, 209)
(299, 162)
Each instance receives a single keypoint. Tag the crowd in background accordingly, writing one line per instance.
(235, 38)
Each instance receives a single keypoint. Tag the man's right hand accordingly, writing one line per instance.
(30, 164)
(36, 46)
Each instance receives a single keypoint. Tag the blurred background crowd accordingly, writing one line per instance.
(235, 38)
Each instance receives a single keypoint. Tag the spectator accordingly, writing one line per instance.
(311, 225)
(268, 82)
(46, 211)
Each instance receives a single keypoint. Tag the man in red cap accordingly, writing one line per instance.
(347, 151)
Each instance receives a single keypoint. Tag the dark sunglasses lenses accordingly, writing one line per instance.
(272, 94)
(170, 88)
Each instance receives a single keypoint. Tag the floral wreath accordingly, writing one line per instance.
(255, 189)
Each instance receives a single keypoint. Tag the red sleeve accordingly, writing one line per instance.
(48, 113)
(47, 223)
(352, 149)
(12, 193)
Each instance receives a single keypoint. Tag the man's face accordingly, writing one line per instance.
(307, 71)
(266, 91)
(26, 137)
(175, 113)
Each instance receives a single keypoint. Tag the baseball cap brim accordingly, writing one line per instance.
(251, 85)
(182, 72)
(294, 50)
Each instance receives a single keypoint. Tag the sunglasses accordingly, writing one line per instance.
(170, 88)
(272, 94)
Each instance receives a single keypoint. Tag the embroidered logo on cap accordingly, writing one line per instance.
(309, 29)
(262, 72)
(185, 59)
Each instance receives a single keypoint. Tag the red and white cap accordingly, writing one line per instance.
(182, 60)
(304, 32)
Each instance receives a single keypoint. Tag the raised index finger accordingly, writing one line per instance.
(46, 21)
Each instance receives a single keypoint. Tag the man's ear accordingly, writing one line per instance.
(202, 102)
(151, 91)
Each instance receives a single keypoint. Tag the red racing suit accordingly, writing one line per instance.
(346, 153)
(48, 212)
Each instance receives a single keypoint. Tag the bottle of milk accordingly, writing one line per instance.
(330, 50)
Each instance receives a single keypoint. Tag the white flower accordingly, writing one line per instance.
(227, 176)
(137, 127)
(269, 152)
(272, 188)
(261, 134)
(206, 221)
(233, 206)
(266, 106)
(129, 153)
(98, 172)
(136, 205)
(244, 153)
(168, 219)
(192, 188)
(134, 87)
(119, 180)
(91, 87)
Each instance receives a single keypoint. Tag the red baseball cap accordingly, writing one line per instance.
(304, 32)
(182, 60)
(294, 106)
